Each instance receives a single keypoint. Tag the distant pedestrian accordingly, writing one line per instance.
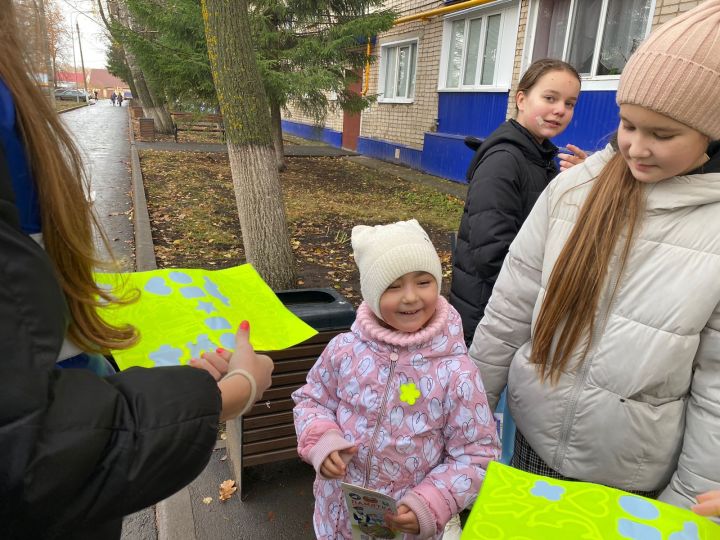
(120, 99)
(95, 92)
(113, 97)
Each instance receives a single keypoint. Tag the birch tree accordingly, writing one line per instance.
(246, 114)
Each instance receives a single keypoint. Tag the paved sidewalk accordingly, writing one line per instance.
(101, 133)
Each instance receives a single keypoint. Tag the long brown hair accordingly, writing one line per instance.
(67, 217)
(611, 210)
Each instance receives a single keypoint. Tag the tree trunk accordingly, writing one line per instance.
(253, 162)
(277, 134)
(41, 13)
(152, 106)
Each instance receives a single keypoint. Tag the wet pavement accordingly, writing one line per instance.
(101, 133)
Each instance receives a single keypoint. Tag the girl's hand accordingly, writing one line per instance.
(335, 465)
(708, 504)
(236, 391)
(570, 160)
(215, 363)
(404, 521)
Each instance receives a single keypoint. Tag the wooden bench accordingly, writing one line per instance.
(267, 432)
(209, 123)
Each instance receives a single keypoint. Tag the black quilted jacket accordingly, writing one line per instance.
(506, 176)
(77, 452)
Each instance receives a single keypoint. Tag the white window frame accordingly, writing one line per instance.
(381, 75)
(505, 59)
(589, 82)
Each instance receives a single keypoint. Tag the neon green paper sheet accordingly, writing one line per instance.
(515, 505)
(183, 312)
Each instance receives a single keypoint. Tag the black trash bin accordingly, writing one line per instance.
(267, 432)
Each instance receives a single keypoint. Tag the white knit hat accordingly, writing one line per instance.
(384, 253)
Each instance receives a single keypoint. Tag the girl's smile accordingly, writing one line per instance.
(409, 302)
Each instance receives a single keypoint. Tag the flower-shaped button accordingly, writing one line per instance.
(409, 393)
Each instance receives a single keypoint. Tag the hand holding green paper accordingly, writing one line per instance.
(182, 313)
(708, 504)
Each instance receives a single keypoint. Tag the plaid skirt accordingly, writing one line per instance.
(526, 459)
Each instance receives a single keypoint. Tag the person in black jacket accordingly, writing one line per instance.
(80, 451)
(507, 174)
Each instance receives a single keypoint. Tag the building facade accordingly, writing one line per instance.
(446, 71)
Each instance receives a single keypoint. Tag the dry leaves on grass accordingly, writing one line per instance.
(195, 222)
(227, 488)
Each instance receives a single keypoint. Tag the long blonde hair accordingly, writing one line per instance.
(612, 209)
(67, 217)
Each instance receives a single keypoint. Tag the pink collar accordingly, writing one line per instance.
(373, 329)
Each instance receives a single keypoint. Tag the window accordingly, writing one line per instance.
(596, 36)
(478, 49)
(397, 71)
(472, 60)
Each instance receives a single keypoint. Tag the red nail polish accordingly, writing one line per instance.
(219, 350)
(245, 325)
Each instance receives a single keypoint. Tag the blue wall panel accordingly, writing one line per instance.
(596, 118)
(385, 150)
(314, 133)
(466, 113)
(446, 155)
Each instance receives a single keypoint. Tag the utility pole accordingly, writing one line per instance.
(82, 63)
(72, 38)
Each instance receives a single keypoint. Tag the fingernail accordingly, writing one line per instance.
(245, 325)
(219, 350)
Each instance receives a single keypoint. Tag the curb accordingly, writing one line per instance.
(144, 251)
(173, 516)
(72, 108)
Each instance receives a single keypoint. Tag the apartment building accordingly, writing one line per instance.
(447, 70)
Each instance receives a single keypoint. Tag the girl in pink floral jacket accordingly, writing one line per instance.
(396, 405)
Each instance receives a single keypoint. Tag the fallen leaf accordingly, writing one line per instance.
(271, 516)
(227, 488)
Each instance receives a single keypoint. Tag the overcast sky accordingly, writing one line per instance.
(94, 44)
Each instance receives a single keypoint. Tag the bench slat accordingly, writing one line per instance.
(279, 393)
(269, 445)
(267, 420)
(264, 406)
(271, 432)
(270, 457)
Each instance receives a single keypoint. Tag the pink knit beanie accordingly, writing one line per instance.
(676, 71)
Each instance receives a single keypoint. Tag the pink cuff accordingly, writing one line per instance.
(425, 517)
(331, 441)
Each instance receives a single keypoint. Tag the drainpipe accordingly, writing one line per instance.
(367, 68)
(441, 11)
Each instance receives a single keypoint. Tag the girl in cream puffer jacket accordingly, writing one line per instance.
(605, 320)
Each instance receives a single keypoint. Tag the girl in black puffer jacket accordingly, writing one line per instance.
(507, 174)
